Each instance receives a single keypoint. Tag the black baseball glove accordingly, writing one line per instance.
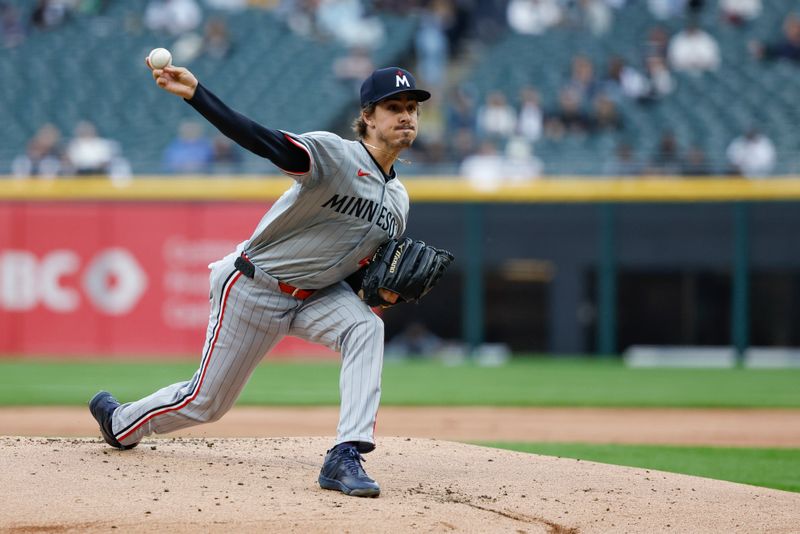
(406, 267)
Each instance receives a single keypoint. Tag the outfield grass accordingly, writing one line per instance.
(524, 382)
(770, 468)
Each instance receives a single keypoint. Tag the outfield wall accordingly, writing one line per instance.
(88, 266)
(115, 278)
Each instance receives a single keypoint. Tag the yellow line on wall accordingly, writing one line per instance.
(145, 188)
(447, 189)
(576, 189)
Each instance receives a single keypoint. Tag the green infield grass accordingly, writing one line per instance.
(522, 382)
(770, 468)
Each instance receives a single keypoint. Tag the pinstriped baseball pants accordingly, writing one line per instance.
(248, 317)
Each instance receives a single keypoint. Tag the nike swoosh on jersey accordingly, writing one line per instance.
(362, 173)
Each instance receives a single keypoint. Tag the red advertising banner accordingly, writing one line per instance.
(116, 278)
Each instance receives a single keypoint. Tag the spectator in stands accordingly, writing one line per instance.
(666, 9)
(484, 169)
(488, 168)
(533, 17)
(660, 78)
(485, 20)
(605, 116)
(460, 124)
(431, 44)
(752, 155)
(520, 164)
(186, 48)
(49, 13)
(172, 17)
(786, 48)
(569, 118)
(431, 151)
(592, 15)
(214, 43)
(460, 111)
(88, 154)
(12, 30)
(657, 43)
(695, 163)
(739, 12)
(624, 163)
(624, 82)
(299, 16)
(530, 120)
(695, 7)
(43, 156)
(347, 22)
(693, 50)
(582, 81)
(226, 157)
(474, 20)
(353, 68)
(461, 144)
(216, 39)
(666, 160)
(191, 152)
(496, 118)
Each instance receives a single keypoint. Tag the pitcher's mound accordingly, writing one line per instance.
(270, 485)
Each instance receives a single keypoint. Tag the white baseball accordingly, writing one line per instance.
(159, 58)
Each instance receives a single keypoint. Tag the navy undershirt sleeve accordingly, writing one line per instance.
(265, 142)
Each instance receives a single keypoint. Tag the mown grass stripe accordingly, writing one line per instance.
(766, 467)
(524, 382)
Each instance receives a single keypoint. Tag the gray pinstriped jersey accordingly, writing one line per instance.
(333, 216)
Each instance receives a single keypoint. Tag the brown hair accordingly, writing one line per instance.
(359, 124)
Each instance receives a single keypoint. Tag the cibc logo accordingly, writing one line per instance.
(112, 281)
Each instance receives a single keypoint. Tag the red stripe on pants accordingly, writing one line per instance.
(202, 369)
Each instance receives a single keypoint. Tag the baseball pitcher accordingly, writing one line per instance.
(327, 250)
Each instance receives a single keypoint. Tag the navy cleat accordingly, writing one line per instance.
(342, 471)
(102, 407)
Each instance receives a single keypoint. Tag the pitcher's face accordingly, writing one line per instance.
(394, 122)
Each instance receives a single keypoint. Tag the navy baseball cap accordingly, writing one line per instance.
(390, 81)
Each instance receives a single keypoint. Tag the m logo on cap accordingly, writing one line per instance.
(401, 79)
(378, 86)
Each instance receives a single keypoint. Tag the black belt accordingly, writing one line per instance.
(244, 266)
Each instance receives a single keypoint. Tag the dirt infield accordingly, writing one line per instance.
(269, 485)
(209, 481)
